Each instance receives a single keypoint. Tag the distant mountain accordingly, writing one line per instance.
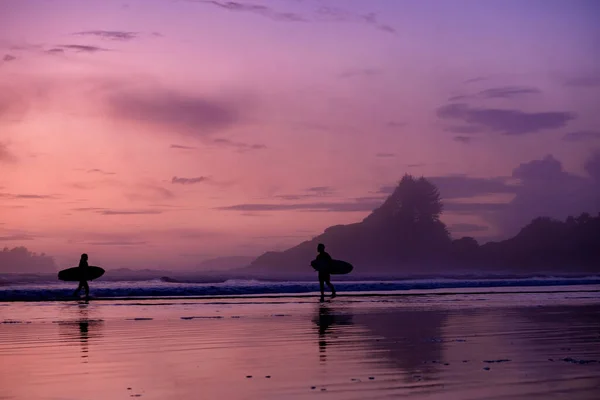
(406, 237)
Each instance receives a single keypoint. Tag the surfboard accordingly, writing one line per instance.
(75, 274)
(337, 267)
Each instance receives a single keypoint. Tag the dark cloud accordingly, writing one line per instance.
(99, 171)
(109, 35)
(311, 192)
(178, 146)
(321, 189)
(476, 79)
(88, 209)
(580, 136)
(544, 189)
(584, 80)
(16, 238)
(157, 34)
(188, 181)
(26, 196)
(385, 155)
(463, 186)
(592, 166)
(351, 206)
(475, 208)
(333, 14)
(463, 129)
(321, 14)
(199, 116)
(463, 139)
(150, 192)
(468, 228)
(5, 154)
(129, 212)
(8, 58)
(82, 48)
(55, 51)
(240, 146)
(255, 9)
(508, 92)
(507, 122)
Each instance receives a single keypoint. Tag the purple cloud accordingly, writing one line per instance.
(463, 139)
(82, 48)
(255, 9)
(385, 155)
(240, 146)
(580, 136)
(197, 115)
(8, 58)
(178, 146)
(352, 206)
(188, 181)
(109, 35)
(508, 92)
(99, 171)
(506, 122)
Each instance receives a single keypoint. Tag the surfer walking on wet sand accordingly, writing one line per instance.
(323, 260)
(83, 265)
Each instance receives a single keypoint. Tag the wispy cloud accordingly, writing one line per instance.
(462, 139)
(385, 155)
(188, 181)
(350, 206)
(321, 14)
(9, 238)
(78, 48)
(8, 58)
(129, 212)
(178, 146)
(258, 9)
(506, 122)
(240, 146)
(503, 92)
(27, 196)
(196, 115)
(109, 35)
(100, 171)
(580, 136)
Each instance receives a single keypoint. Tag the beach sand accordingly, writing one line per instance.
(462, 346)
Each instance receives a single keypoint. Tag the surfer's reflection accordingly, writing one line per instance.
(82, 329)
(328, 322)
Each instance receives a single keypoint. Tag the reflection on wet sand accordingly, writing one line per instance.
(81, 329)
(328, 322)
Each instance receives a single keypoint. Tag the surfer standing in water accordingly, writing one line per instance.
(324, 259)
(83, 265)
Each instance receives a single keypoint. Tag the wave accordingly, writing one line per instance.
(158, 288)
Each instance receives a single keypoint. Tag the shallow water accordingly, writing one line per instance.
(536, 345)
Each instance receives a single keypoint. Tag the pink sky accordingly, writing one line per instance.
(158, 133)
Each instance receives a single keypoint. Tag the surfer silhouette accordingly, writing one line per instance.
(324, 259)
(83, 264)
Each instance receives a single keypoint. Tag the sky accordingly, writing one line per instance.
(158, 133)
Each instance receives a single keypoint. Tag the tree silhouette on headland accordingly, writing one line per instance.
(405, 236)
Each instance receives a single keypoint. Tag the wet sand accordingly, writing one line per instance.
(463, 346)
